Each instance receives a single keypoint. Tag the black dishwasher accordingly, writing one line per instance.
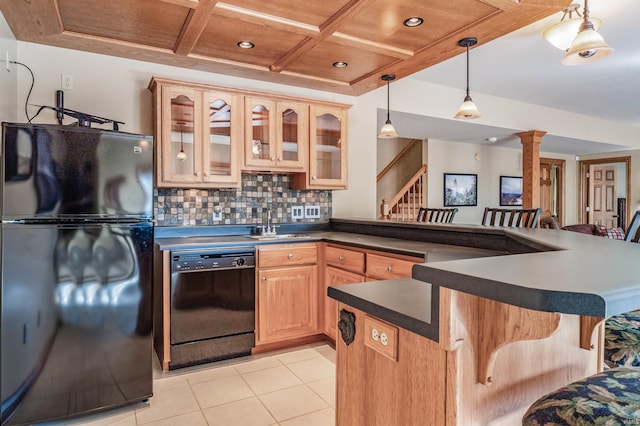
(212, 312)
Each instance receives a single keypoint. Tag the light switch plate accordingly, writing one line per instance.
(297, 212)
(312, 212)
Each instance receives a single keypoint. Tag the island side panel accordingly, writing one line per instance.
(522, 371)
(373, 389)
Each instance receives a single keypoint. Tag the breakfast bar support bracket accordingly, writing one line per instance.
(587, 326)
(500, 324)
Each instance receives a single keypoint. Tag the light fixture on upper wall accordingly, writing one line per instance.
(468, 109)
(562, 33)
(588, 46)
(181, 155)
(387, 131)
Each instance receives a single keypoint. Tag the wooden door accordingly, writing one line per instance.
(287, 303)
(335, 276)
(602, 195)
(552, 188)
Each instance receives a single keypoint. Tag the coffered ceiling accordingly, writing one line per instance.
(295, 42)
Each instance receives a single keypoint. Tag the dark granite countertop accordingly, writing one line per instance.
(565, 272)
(546, 270)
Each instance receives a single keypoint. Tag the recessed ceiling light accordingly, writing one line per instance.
(246, 45)
(414, 21)
(340, 64)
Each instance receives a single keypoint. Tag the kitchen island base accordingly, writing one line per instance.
(490, 362)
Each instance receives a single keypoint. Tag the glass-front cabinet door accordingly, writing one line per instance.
(181, 129)
(260, 135)
(292, 135)
(328, 147)
(222, 138)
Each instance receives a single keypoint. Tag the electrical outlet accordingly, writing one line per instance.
(67, 82)
(297, 212)
(312, 212)
(217, 213)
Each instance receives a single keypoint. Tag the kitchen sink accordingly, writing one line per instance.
(277, 237)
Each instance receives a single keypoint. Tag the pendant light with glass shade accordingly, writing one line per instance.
(588, 46)
(562, 33)
(181, 155)
(468, 109)
(387, 131)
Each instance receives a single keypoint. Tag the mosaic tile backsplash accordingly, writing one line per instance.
(246, 205)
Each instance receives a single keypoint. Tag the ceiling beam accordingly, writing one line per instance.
(330, 26)
(193, 26)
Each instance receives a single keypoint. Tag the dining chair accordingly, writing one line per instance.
(632, 235)
(436, 215)
(514, 218)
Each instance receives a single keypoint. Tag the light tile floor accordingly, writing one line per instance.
(289, 388)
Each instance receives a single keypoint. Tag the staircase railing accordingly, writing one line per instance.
(397, 158)
(405, 204)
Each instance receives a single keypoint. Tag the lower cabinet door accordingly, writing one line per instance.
(287, 303)
(335, 276)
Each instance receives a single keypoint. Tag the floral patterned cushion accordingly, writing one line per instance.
(609, 398)
(622, 340)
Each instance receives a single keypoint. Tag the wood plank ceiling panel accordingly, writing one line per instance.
(146, 22)
(296, 42)
(221, 35)
(319, 62)
(383, 21)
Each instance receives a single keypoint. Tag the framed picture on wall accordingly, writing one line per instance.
(460, 189)
(510, 191)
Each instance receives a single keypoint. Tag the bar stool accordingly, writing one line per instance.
(608, 398)
(622, 340)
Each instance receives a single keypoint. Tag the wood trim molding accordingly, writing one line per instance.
(500, 324)
(583, 191)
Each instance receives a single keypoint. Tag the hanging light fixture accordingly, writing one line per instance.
(562, 33)
(468, 109)
(588, 46)
(181, 155)
(387, 131)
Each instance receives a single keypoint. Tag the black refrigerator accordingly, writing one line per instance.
(76, 268)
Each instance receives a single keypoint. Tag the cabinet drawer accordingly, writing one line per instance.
(287, 256)
(350, 260)
(386, 268)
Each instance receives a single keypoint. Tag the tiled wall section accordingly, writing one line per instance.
(248, 204)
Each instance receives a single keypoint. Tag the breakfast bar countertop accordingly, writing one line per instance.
(564, 272)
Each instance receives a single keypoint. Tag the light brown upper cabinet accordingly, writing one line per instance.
(327, 149)
(276, 135)
(198, 137)
(207, 135)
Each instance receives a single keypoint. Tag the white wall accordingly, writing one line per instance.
(8, 79)
(489, 163)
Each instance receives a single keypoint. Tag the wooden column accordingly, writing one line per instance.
(531, 167)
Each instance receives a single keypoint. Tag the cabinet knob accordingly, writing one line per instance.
(206, 174)
(197, 174)
(314, 177)
(389, 268)
(279, 158)
(273, 158)
(341, 257)
(264, 278)
(290, 256)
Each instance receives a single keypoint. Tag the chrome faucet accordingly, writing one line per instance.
(269, 228)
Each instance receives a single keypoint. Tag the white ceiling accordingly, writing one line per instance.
(608, 89)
